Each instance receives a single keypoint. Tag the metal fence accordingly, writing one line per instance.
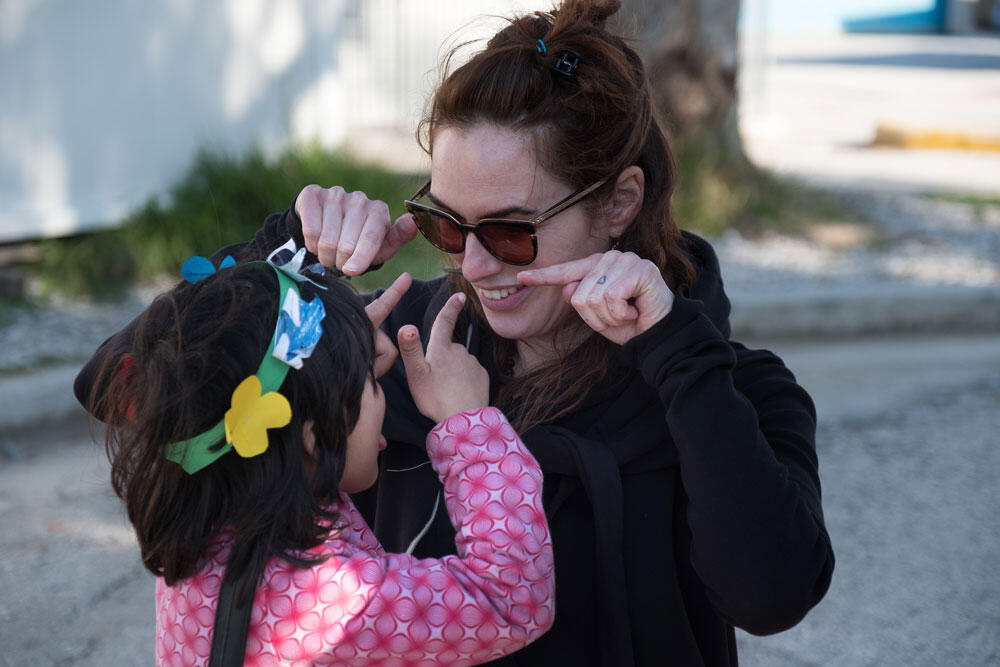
(393, 48)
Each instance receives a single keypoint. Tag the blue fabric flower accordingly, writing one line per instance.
(289, 259)
(298, 329)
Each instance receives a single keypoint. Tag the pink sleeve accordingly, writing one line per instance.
(498, 593)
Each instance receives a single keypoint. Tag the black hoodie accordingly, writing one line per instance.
(683, 494)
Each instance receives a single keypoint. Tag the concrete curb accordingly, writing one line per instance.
(846, 311)
(32, 399)
(900, 137)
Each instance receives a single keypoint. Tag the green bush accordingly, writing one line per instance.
(101, 265)
(221, 200)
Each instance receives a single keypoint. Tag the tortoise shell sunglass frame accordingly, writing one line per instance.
(509, 240)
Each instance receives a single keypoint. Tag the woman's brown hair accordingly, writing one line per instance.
(174, 377)
(586, 126)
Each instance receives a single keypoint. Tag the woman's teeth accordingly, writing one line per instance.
(497, 294)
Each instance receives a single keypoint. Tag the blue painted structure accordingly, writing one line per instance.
(930, 20)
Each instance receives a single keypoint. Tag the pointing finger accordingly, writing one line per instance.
(380, 308)
(559, 274)
(412, 354)
(444, 323)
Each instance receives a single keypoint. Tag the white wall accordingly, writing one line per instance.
(105, 102)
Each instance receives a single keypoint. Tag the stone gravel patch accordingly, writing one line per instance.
(916, 240)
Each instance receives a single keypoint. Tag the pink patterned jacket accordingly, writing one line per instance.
(364, 606)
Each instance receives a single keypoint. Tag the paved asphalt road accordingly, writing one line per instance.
(909, 460)
(908, 455)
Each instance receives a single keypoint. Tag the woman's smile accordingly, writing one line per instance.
(503, 299)
(485, 168)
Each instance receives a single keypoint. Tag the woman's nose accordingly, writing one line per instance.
(477, 262)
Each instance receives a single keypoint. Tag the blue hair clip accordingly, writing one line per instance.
(198, 268)
(541, 47)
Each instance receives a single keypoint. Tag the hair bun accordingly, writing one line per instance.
(594, 12)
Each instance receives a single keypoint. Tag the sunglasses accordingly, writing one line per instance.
(510, 241)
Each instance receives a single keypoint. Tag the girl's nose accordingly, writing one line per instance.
(477, 262)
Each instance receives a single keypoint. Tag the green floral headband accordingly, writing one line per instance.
(256, 405)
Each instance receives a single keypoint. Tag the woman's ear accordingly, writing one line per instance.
(626, 200)
(309, 439)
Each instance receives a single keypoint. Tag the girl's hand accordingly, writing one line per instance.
(447, 380)
(378, 310)
(619, 295)
(348, 230)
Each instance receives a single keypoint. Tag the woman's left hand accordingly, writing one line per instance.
(618, 294)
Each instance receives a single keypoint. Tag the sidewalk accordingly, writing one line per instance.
(810, 108)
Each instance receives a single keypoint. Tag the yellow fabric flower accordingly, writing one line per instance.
(251, 415)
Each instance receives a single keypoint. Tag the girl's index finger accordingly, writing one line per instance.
(559, 274)
(380, 308)
(444, 323)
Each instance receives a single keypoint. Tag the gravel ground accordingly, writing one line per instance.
(61, 330)
(908, 240)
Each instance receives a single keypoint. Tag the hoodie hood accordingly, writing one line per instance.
(708, 286)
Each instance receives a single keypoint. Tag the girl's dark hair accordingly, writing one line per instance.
(189, 351)
(585, 127)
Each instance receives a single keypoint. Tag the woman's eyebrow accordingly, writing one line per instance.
(492, 214)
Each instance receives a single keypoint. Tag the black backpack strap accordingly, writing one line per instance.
(232, 623)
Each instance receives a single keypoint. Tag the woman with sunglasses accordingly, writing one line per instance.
(681, 479)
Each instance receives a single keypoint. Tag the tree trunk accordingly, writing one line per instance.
(691, 51)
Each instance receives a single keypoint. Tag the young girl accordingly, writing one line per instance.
(241, 411)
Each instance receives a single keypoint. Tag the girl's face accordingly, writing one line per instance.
(365, 442)
(490, 171)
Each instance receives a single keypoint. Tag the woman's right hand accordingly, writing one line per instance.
(447, 380)
(349, 231)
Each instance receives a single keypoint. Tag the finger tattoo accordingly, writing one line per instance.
(602, 280)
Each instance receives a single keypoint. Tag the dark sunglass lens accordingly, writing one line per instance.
(509, 243)
(439, 230)
(452, 238)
